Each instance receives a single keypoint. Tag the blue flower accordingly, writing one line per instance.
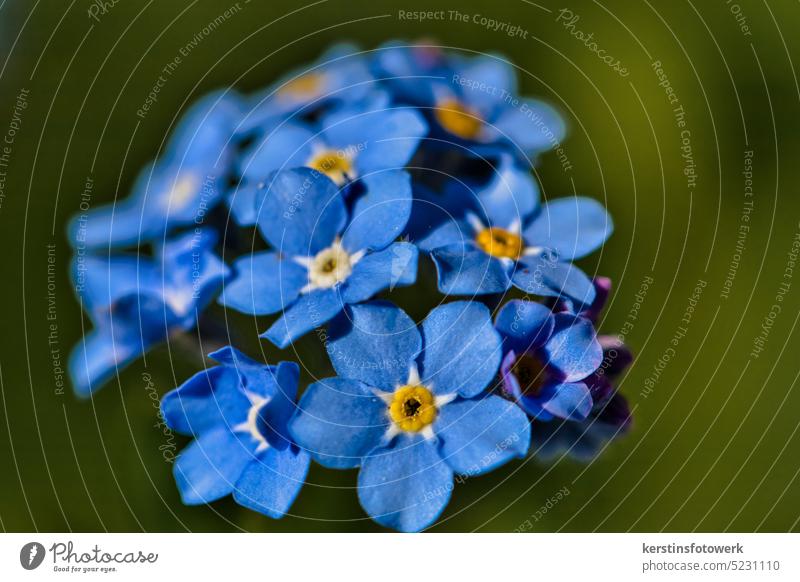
(178, 189)
(344, 145)
(409, 408)
(135, 302)
(477, 185)
(547, 358)
(610, 416)
(477, 105)
(325, 255)
(340, 76)
(514, 241)
(238, 413)
(409, 69)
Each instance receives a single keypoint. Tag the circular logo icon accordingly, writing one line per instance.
(31, 555)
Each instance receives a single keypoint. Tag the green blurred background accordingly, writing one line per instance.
(714, 443)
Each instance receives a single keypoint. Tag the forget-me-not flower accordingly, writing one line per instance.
(477, 105)
(344, 145)
(610, 416)
(178, 189)
(512, 240)
(325, 255)
(409, 408)
(547, 359)
(409, 69)
(238, 413)
(340, 76)
(135, 302)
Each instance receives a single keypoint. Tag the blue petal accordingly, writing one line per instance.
(209, 467)
(309, 312)
(210, 399)
(381, 214)
(287, 147)
(570, 401)
(511, 196)
(463, 269)
(204, 133)
(524, 324)
(112, 225)
(271, 483)
(242, 202)
(374, 342)
(489, 80)
(462, 349)
(395, 266)
(479, 435)
(533, 126)
(405, 487)
(408, 69)
(385, 139)
(256, 377)
(431, 211)
(265, 283)
(573, 227)
(97, 357)
(343, 76)
(546, 276)
(278, 411)
(339, 421)
(192, 273)
(449, 233)
(573, 348)
(302, 212)
(102, 281)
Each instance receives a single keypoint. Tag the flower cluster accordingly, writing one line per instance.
(351, 176)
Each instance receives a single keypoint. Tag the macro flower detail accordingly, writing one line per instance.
(409, 407)
(477, 255)
(325, 256)
(178, 189)
(344, 145)
(547, 357)
(340, 76)
(610, 415)
(319, 192)
(135, 302)
(477, 103)
(238, 413)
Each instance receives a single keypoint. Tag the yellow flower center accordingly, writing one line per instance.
(303, 86)
(500, 243)
(458, 119)
(334, 164)
(412, 408)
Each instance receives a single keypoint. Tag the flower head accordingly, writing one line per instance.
(547, 360)
(409, 408)
(238, 412)
(325, 255)
(340, 76)
(346, 144)
(610, 415)
(474, 101)
(505, 238)
(178, 189)
(135, 303)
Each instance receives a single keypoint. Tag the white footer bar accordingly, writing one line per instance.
(401, 558)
